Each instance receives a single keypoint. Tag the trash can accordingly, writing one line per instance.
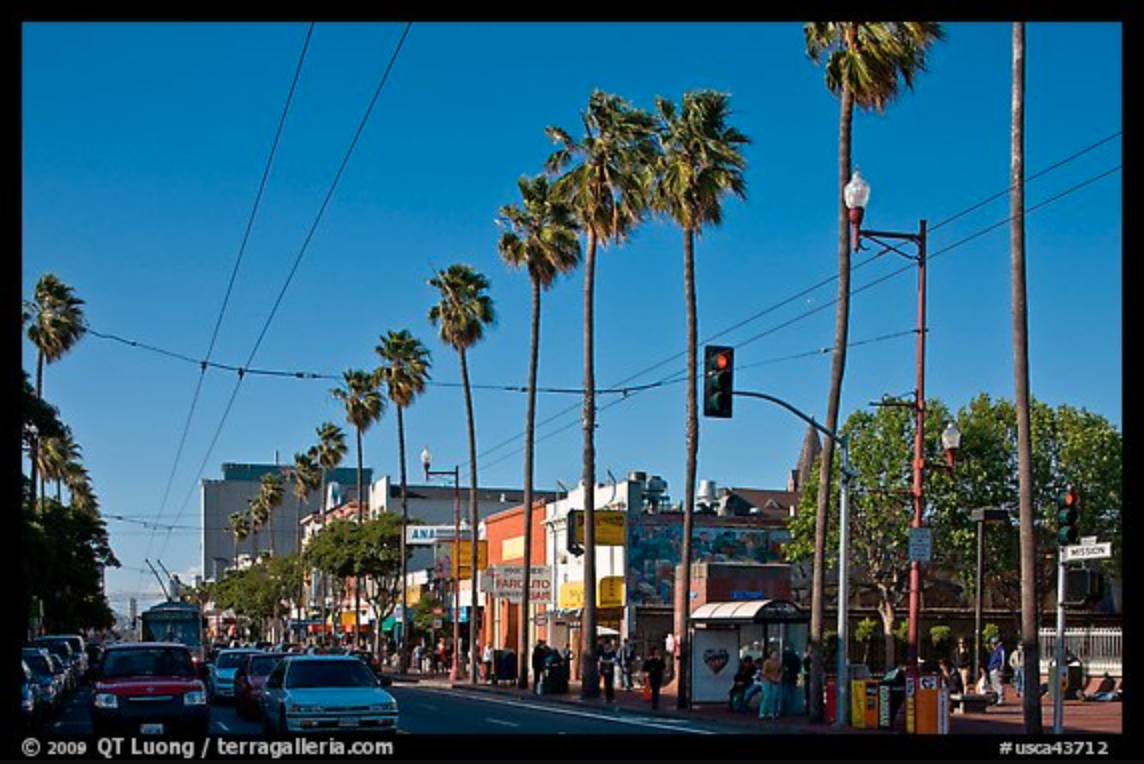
(1074, 675)
(504, 666)
(830, 710)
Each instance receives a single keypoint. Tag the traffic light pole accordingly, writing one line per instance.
(1060, 674)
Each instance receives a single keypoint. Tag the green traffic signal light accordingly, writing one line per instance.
(1068, 506)
(718, 373)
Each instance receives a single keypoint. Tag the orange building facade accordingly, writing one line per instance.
(504, 532)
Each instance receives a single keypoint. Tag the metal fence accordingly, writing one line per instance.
(1098, 649)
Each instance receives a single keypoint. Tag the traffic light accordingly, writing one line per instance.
(1068, 506)
(718, 372)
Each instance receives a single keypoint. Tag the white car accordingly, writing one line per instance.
(326, 693)
(220, 680)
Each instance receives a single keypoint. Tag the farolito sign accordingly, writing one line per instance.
(508, 583)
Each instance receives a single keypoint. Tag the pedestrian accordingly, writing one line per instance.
(653, 668)
(772, 682)
(487, 662)
(539, 655)
(607, 668)
(791, 667)
(755, 688)
(952, 678)
(627, 659)
(740, 683)
(996, 668)
(1017, 663)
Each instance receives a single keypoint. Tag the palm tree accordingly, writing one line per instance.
(306, 481)
(364, 406)
(55, 324)
(607, 189)
(404, 369)
(461, 317)
(866, 64)
(330, 450)
(57, 455)
(259, 514)
(542, 237)
(700, 161)
(273, 491)
(1028, 539)
(240, 526)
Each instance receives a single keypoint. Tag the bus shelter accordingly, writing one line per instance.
(723, 633)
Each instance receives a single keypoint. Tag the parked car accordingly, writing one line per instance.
(369, 659)
(78, 647)
(62, 650)
(62, 674)
(48, 683)
(326, 693)
(149, 688)
(248, 682)
(29, 702)
(220, 680)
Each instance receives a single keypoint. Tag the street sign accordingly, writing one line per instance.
(1086, 552)
(921, 544)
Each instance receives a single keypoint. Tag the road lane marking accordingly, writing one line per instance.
(634, 721)
(501, 721)
(428, 707)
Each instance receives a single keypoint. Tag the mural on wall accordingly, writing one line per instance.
(655, 544)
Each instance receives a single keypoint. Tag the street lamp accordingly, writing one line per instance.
(981, 516)
(455, 473)
(856, 195)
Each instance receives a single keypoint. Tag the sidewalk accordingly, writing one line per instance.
(1007, 719)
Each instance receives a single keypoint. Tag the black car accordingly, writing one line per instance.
(149, 688)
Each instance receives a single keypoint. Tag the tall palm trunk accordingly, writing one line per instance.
(325, 577)
(522, 645)
(837, 370)
(590, 686)
(34, 450)
(474, 652)
(403, 653)
(1028, 538)
(683, 585)
(360, 517)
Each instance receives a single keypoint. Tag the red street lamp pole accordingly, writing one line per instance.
(857, 193)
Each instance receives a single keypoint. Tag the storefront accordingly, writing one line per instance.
(722, 633)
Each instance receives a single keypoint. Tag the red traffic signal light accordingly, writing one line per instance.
(1068, 506)
(718, 373)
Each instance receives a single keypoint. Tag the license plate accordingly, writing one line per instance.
(150, 729)
(348, 721)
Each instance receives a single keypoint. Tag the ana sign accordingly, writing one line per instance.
(508, 583)
(427, 535)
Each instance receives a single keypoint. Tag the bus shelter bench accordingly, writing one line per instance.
(970, 703)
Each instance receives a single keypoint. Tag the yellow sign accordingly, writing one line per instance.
(610, 526)
(609, 593)
(465, 558)
(572, 595)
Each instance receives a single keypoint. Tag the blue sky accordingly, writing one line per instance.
(144, 145)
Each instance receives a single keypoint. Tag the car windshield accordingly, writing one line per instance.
(351, 673)
(38, 663)
(231, 660)
(263, 664)
(150, 661)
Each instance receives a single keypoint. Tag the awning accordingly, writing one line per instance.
(388, 623)
(748, 612)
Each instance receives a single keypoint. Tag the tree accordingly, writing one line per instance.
(306, 479)
(364, 406)
(239, 524)
(540, 236)
(606, 181)
(461, 316)
(866, 65)
(55, 323)
(699, 162)
(272, 491)
(331, 449)
(1031, 701)
(404, 370)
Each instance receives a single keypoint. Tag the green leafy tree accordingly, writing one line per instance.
(461, 316)
(864, 634)
(540, 236)
(700, 161)
(866, 64)
(606, 180)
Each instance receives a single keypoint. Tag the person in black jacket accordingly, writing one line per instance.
(653, 668)
(539, 657)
